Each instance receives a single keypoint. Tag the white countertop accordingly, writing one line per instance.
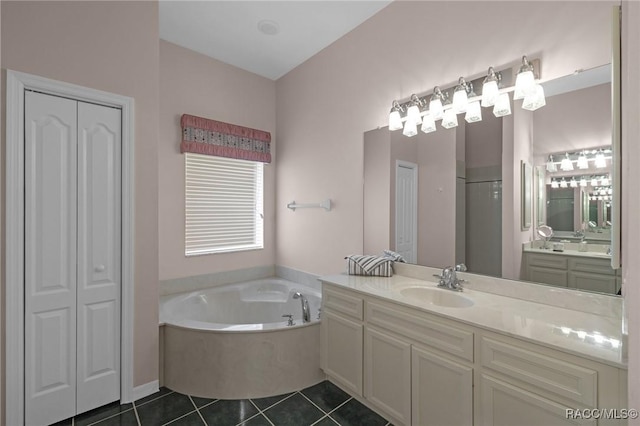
(594, 336)
(594, 251)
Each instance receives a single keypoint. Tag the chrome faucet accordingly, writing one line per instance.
(449, 279)
(306, 314)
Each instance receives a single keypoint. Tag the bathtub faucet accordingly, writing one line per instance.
(306, 314)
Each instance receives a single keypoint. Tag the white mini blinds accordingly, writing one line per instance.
(223, 204)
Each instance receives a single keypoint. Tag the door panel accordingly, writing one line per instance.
(407, 211)
(50, 258)
(99, 140)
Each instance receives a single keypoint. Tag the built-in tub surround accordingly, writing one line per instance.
(234, 341)
(589, 325)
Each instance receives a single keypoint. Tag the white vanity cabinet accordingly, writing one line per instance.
(580, 272)
(419, 368)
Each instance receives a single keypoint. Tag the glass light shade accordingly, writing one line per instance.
(395, 121)
(566, 164)
(594, 181)
(610, 191)
(554, 184)
(536, 100)
(603, 192)
(450, 119)
(490, 93)
(502, 106)
(551, 165)
(435, 108)
(583, 163)
(563, 183)
(604, 181)
(460, 100)
(573, 183)
(525, 85)
(583, 181)
(410, 128)
(600, 197)
(413, 113)
(600, 160)
(428, 124)
(474, 112)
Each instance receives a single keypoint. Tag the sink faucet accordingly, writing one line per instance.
(449, 279)
(306, 314)
(579, 234)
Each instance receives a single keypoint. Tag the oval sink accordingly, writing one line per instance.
(439, 297)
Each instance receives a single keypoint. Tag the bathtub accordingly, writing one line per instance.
(232, 341)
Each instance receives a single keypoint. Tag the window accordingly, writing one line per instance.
(223, 204)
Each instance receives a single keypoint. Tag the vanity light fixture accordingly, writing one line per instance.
(563, 183)
(395, 120)
(583, 163)
(460, 96)
(573, 183)
(604, 181)
(435, 104)
(525, 80)
(450, 119)
(535, 100)
(502, 106)
(600, 160)
(594, 181)
(566, 164)
(410, 128)
(428, 123)
(551, 165)
(474, 112)
(490, 88)
(413, 113)
(583, 181)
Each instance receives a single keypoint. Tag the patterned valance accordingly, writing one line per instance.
(210, 137)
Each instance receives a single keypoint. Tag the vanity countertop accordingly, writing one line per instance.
(589, 335)
(595, 251)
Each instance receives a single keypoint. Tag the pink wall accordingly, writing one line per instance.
(191, 83)
(111, 46)
(325, 104)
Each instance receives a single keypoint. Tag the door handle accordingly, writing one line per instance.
(99, 268)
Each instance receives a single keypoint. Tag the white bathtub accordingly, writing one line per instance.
(232, 341)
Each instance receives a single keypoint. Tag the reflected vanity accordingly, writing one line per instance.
(464, 204)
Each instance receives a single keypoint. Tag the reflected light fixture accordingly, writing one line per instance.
(395, 120)
(490, 89)
(573, 183)
(604, 181)
(566, 164)
(474, 112)
(428, 123)
(594, 181)
(563, 183)
(551, 165)
(583, 163)
(525, 80)
(413, 113)
(502, 106)
(435, 104)
(450, 119)
(536, 100)
(600, 160)
(410, 128)
(554, 184)
(583, 181)
(460, 96)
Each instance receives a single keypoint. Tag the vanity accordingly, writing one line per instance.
(572, 268)
(490, 355)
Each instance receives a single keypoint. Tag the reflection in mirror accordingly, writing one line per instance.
(469, 190)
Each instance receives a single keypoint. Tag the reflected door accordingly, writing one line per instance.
(407, 210)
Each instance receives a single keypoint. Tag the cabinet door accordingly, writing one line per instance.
(442, 390)
(509, 405)
(342, 351)
(544, 275)
(593, 282)
(387, 366)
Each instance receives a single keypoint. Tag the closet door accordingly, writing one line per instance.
(50, 258)
(99, 277)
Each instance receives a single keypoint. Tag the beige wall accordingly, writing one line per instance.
(191, 83)
(325, 104)
(111, 46)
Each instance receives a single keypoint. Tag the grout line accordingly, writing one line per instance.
(334, 410)
(106, 418)
(178, 418)
(155, 399)
(326, 416)
(275, 403)
(198, 410)
(261, 411)
(135, 411)
(314, 404)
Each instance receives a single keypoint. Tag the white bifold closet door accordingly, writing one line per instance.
(72, 257)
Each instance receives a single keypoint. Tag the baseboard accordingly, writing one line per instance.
(146, 390)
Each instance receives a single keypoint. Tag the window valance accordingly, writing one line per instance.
(211, 137)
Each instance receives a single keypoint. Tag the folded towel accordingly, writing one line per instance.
(397, 257)
(369, 265)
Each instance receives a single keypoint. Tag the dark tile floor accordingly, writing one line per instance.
(323, 405)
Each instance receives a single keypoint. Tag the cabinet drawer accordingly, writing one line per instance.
(343, 303)
(547, 260)
(597, 266)
(440, 336)
(550, 374)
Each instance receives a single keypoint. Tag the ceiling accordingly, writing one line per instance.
(229, 30)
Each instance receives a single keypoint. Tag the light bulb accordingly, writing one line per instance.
(566, 164)
(474, 112)
(603, 192)
(583, 163)
(525, 81)
(410, 128)
(428, 124)
(604, 181)
(563, 183)
(413, 113)
(583, 181)
(554, 184)
(450, 119)
(395, 121)
(594, 181)
(601, 162)
(536, 100)
(460, 99)
(610, 191)
(502, 106)
(490, 90)
(435, 104)
(573, 183)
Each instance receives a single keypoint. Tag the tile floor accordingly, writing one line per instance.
(323, 405)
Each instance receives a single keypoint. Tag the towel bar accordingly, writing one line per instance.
(326, 204)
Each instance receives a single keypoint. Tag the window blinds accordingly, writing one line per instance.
(223, 204)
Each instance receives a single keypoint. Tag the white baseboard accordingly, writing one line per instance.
(146, 390)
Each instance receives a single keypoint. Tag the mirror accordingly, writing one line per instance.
(465, 204)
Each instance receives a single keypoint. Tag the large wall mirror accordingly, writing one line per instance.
(455, 196)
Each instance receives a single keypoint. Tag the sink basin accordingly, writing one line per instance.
(436, 296)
